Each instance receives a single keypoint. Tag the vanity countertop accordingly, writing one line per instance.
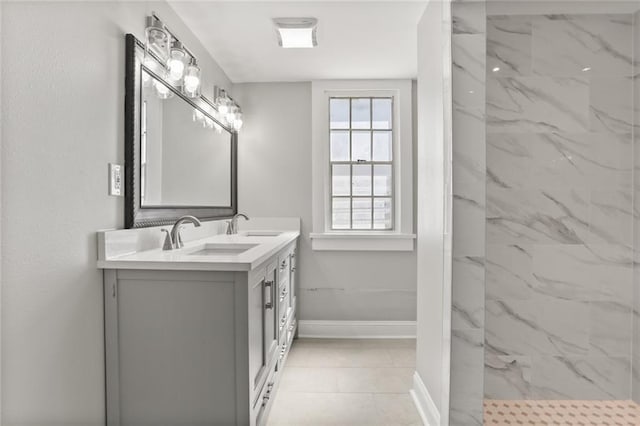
(188, 258)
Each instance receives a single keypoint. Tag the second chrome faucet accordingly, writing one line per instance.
(232, 225)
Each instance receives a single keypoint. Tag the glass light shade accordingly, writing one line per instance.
(237, 123)
(176, 63)
(162, 91)
(157, 38)
(223, 106)
(191, 83)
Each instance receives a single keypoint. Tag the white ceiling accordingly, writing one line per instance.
(356, 39)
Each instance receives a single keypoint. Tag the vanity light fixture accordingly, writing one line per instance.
(180, 64)
(228, 110)
(296, 32)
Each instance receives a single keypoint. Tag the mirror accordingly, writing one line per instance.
(185, 156)
(178, 158)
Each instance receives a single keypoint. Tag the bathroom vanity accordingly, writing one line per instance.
(197, 335)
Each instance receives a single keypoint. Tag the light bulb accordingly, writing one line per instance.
(223, 108)
(230, 117)
(197, 116)
(176, 62)
(162, 91)
(237, 123)
(191, 85)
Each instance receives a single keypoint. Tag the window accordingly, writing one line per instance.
(361, 163)
(362, 143)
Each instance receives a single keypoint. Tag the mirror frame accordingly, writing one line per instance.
(136, 215)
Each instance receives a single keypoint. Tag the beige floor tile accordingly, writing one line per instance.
(375, 380)
(323, 408)
(403, 357)
(346, 382)
(318, 356)
(396, 409)
(309, 379)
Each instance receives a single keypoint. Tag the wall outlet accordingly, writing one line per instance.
(116, 180)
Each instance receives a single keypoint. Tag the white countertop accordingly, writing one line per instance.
(184, 260)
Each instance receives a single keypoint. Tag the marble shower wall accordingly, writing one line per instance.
(469, 175)
(559, 207)
(635, 377)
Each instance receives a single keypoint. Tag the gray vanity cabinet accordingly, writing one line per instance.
(197, 347)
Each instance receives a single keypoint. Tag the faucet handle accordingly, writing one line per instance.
(168, 242)
(229, 227)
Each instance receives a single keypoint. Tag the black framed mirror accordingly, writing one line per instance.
(179, 159)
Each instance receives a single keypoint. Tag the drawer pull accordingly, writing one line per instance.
(269, 304)
(293, 269)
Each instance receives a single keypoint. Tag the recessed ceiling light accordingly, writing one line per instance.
(496, 69)
(586, 69)
(296, 32)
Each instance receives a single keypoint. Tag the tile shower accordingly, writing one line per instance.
(545, 298)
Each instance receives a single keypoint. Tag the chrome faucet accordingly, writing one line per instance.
(173, 240)
(232, 225)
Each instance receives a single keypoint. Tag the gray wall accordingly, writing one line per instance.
(468, 87)
(559, 207)
(62, 121)
(275, 180)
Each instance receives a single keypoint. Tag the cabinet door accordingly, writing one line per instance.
(257, 356)
(292, 279)
(270, 298)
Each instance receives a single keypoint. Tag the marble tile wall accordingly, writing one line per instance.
(559, 207)
(469, 176)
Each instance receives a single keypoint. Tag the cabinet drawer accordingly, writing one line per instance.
(264, 402)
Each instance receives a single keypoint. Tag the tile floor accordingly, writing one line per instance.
(562, 413)
(347, 382)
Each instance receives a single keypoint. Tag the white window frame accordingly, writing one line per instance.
(401, 238)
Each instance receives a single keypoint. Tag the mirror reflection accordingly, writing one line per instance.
(185, 156)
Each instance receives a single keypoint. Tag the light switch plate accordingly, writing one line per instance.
(116, 179)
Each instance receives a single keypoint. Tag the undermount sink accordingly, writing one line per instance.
(261, 233)
(222, 249)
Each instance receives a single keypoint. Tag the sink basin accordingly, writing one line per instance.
(222, 249)
(261, 233)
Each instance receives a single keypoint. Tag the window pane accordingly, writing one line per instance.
(382, 181)
(382, 214)
(339, 113)
(361, 179)
(382, 146)
(341, 213)
(361, 113)
(382, 113)
(361, 146)
(340, 146)
(361, 213)
(341, 179)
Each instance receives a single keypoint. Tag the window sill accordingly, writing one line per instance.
(362, 241)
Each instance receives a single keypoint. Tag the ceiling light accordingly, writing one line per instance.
(296, 32)
(496, 69)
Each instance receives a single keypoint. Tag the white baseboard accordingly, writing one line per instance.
(425, 405)
(357, 329)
